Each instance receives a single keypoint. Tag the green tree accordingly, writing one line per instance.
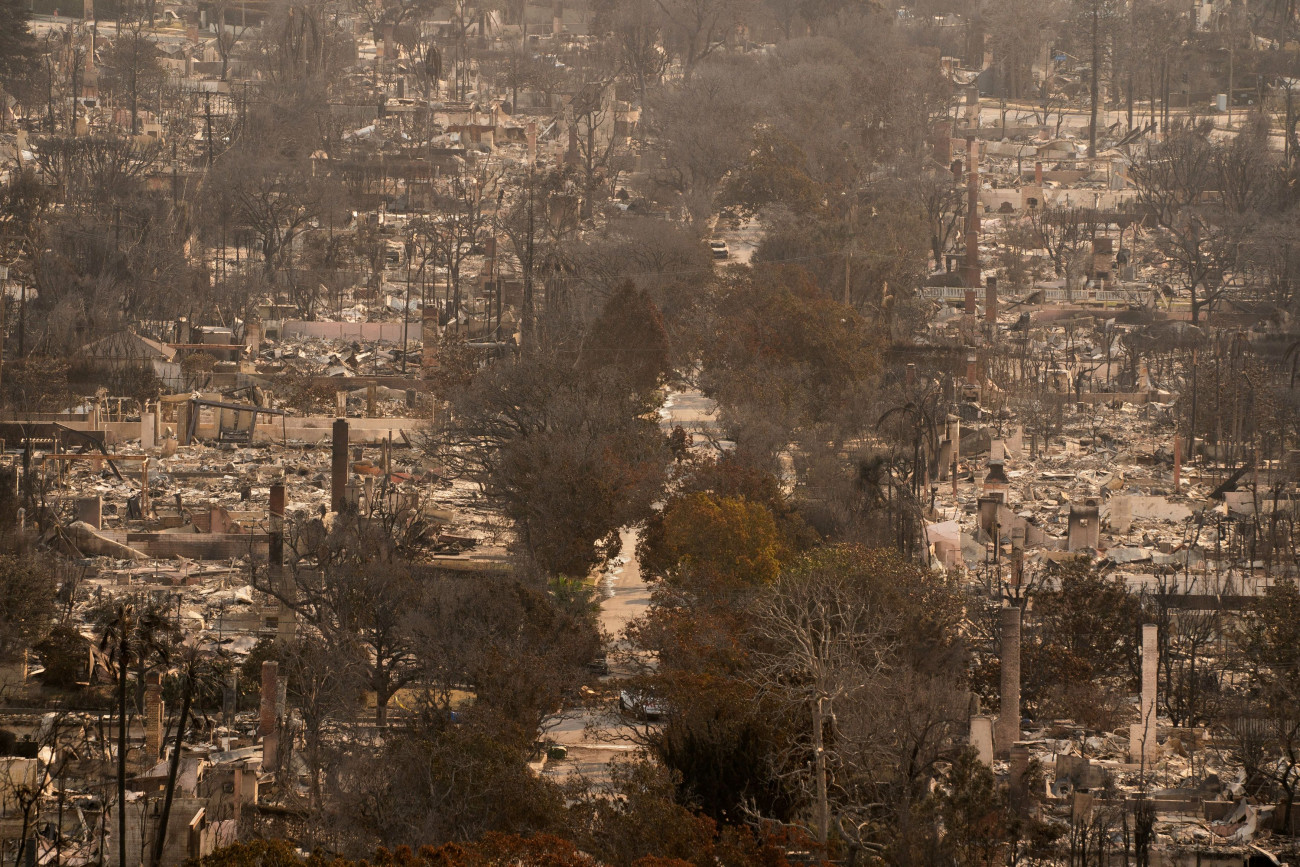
(17, 45)
(129, 637)
(571, 456)
(775, 173)
(629, 337)
(1080, 652)
(27, 594)
(1264, 722)
(782, 359)
(716, 544)
(973, 811)
(132, 60)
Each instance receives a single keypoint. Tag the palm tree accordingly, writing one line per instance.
(128, 636)
(196, 669)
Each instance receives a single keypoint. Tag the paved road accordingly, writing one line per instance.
(690, 409)
(592, 736)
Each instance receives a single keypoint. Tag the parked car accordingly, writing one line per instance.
(719, 249)
(599, 665)
(641, 705)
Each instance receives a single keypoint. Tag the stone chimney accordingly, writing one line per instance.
(275, 538)
(954, 448)
(1178, 461)
(1018, 783)
(991, 300)
(981, 738)
(153, 718)
(1007, 730)
(1142, 734)
(339, 467)
(268, 725)
(972, 276)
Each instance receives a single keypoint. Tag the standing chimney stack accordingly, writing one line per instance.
(991, 300)
(153, 717)
(972, 214)
(339, 467)
(1142, 734)
(1178, 461)
(275, 542)
(268, 725)
(1007, 730)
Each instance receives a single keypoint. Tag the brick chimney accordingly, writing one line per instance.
(972, 276)
(153, 717)
(1007, 729)
(268, 725)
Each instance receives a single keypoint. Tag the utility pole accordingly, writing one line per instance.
(207, 111)
(406, 311)
(526, 331)
(4, 305)
(22, 323)
(1094, 84)
(76, 68)
(848, 254)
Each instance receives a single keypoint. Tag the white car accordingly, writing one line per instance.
(719, 249)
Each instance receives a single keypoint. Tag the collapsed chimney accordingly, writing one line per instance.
(1007, 729)
(1084, 528)
(981, 738)
(153, 717)
(996, 482)
(339, 467)
(987, 509)
(90, 510)
(268, 724)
